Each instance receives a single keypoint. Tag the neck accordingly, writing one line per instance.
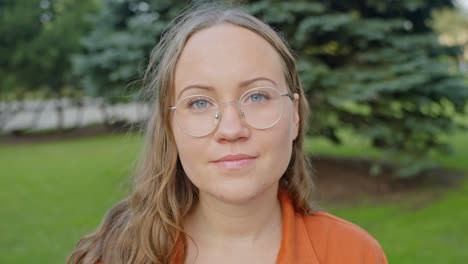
(212, 219)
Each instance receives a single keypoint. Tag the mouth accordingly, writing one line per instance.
(237, 161)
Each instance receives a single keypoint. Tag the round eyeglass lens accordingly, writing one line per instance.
(196, 115)
(262, 107)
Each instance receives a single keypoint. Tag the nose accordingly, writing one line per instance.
(231, 124)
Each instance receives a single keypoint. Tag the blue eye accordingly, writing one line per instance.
(257, 97)
(199, 104)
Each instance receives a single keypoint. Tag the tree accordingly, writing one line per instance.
(38, 38)
(13, 28)
(373, 67)
(116, 51)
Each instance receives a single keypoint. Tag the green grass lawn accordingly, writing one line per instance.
(53, 193)
(436, 232)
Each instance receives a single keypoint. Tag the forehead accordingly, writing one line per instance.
(224, 56)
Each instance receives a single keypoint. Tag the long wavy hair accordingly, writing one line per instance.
(146, 226)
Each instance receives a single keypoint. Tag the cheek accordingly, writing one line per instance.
(189, 152)
(283, 143)
(288, 126)
(278, 144)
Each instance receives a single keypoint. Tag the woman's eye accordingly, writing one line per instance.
(257, 97)
(199, 104)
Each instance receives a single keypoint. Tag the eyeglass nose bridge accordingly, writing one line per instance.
(219, 112)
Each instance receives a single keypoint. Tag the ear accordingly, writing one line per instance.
(296, 116)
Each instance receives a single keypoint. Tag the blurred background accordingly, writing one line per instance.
(387, 82)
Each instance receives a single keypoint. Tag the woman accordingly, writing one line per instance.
(224, 178)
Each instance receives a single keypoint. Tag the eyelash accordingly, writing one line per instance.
(192, 102)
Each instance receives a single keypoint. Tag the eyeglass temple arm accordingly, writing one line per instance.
(288, 95)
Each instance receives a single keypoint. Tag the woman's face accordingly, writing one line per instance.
(235, 162)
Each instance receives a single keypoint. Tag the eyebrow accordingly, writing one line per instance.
(210, 88)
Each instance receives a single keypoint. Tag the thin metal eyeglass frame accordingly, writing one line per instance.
(238, 102)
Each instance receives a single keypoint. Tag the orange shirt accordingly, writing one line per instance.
(321, 238)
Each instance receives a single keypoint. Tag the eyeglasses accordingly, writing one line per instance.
(199, 115)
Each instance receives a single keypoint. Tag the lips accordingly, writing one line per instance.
(236, 161)
(234, 157)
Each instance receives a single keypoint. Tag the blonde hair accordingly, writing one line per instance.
(146, 227)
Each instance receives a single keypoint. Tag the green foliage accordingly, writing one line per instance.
(19, 24)
(374, 67)
(116, 50)
(37, 40)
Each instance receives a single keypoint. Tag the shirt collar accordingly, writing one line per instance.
(296, 246)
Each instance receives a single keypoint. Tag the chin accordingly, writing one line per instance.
(239, 194)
